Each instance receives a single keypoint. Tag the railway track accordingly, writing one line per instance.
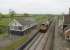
(32, 42)
(50, 37)
(41, 42)
(40, 46)
(38, 43)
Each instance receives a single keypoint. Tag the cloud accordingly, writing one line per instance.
(35, 6)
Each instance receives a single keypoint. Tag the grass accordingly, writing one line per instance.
(40, 19)
(15, 44)
(4, 21)
(3, 26)
(3, 35)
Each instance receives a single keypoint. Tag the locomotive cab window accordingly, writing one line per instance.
(43, 24)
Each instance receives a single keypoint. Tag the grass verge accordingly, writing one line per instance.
(15, 44)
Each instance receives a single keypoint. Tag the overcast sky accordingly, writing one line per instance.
(35, 6)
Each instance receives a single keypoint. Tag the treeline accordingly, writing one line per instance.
(13, 14)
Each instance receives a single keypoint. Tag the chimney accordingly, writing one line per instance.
(67, 19)
(69, 11)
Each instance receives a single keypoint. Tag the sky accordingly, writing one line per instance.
(35, 6)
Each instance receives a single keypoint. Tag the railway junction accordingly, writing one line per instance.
(52, 39)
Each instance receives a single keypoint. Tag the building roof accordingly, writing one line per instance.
(67, 32)
(25, 21)
(67, 29)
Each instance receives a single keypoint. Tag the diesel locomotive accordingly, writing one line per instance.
(44, 27)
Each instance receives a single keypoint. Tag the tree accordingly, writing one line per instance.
(27, 15)
(12, 13)
(1, 15)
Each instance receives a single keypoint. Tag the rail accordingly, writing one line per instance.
(24, 45)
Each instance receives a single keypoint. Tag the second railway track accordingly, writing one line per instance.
(35, 42)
